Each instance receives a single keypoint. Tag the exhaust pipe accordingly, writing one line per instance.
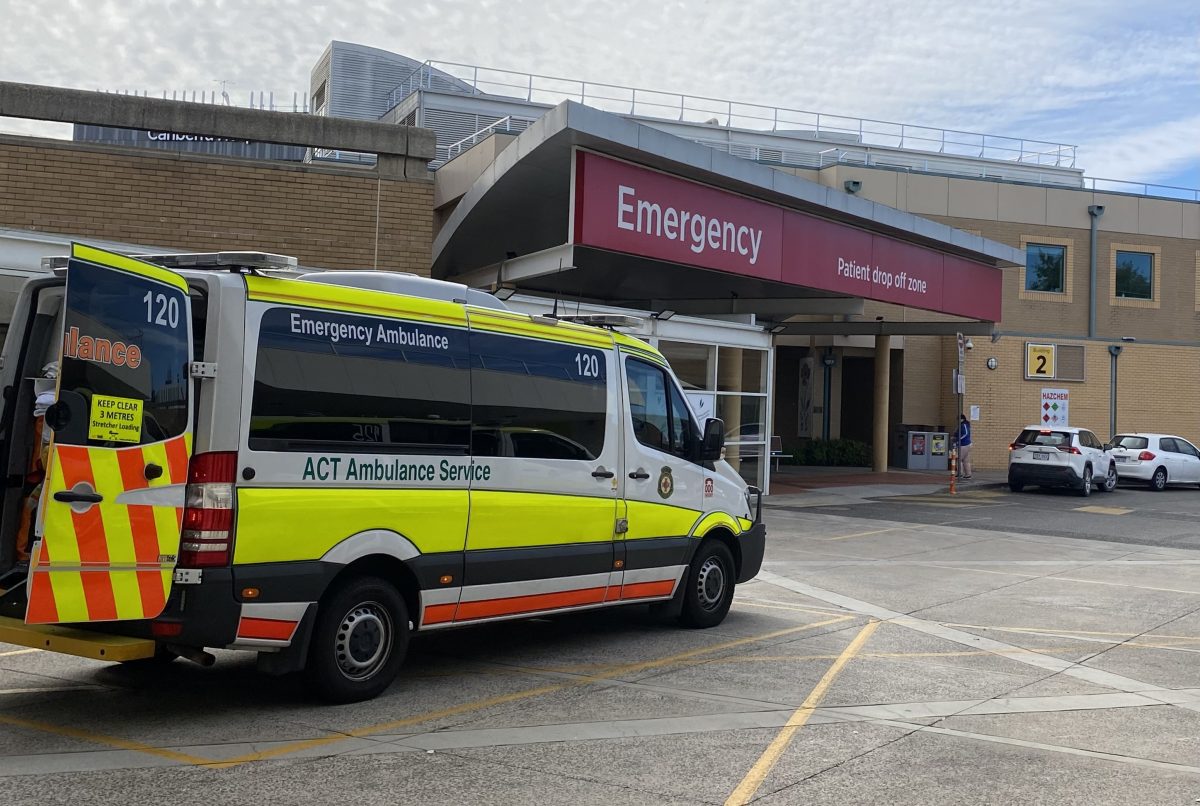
(193, 654)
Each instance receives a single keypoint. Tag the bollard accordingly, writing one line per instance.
(954, 471)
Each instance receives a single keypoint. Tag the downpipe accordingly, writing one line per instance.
(1094, 213)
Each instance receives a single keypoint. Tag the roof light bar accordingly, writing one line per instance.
(266, 261)
(609, 320)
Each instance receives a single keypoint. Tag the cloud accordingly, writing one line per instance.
(1092, 72)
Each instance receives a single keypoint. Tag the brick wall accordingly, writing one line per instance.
(327, 217)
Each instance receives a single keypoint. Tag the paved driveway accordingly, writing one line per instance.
(875, 660)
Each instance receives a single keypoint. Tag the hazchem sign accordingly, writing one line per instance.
(1055, 404)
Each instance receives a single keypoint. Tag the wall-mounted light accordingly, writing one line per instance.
(970, 345)
(504, 292)
(852, 186)
(662, 316)
(992, 363)
(829, 360)
(777, 329)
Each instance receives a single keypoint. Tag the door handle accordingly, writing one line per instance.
(72, 497)
(153, 471)
(639, 475)
(601, 473)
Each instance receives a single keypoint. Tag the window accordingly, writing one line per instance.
(661, 418)
(1093, 441)
(339, 382)
(1051, 438)
(741, 370)
(1167, 444)
(1044, 267)
(1187, 448)
(536, 399)
(693, 363)
(107, 324)
(1130, 442)
(1135, 275)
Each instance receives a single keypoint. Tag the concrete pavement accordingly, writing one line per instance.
(874, 660)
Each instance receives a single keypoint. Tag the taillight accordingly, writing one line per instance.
(1070, 449)
(207, 538)
(1016, 446)
(1146, 456)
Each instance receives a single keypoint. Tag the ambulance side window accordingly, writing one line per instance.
(661, 417)
(536, 399)
(332, 381)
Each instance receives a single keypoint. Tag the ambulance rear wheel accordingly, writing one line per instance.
(359, 641)
(709, 582)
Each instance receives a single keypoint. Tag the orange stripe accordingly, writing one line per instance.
(40, 608)
(643, 590)
(98, 593)
(177, 459)
(528, 604)
(266, 628)
(132, 463)
(439, 613)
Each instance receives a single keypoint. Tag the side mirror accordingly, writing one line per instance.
(714, 440)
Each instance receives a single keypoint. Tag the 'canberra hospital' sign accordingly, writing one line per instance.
(627, 208)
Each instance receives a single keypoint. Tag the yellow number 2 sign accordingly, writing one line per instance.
(115, 419)
(1039, 361)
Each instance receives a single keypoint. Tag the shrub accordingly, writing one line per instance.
(838, 452)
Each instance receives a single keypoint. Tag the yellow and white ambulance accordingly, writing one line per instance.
(222, 451)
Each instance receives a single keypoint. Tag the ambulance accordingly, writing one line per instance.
(227, 451)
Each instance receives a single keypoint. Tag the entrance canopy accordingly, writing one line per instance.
(588, 205)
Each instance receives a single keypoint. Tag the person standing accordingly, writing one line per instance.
(964, 447)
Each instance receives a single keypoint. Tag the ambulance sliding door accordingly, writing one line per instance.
(546, 450)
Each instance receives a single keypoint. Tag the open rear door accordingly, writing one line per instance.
(111, 512)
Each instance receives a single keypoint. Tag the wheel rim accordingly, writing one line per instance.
(363, 641)
(1111, 479)
(1087, 482)
(1160, 478)
(710, 584)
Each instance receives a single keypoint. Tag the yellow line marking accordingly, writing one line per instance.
(100, 738)
(1098, 510)
(766, 762)
(1064, 632)
(862, 534)
(783, 606)
(17, 652)
(603, 674)
(1064, 579)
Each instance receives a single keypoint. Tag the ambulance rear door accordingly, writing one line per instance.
(111, 512)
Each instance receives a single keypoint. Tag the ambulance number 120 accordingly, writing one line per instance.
(161, 309)
(588, 365)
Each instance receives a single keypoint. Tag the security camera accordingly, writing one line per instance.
(852, 185)
(970, 345)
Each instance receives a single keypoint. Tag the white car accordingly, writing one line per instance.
(1156, 459)
(1060, 457)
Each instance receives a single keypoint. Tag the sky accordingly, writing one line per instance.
(1117, 78)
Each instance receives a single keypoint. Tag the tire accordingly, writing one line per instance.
(709, 584)
(1158, 482)
(1016, 486)
(1085, 489)
(358, 642)
(1110, 480)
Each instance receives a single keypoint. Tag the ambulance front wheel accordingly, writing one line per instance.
(359, 640)
(709, 582)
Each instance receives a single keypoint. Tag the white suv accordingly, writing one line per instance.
(1060, 457)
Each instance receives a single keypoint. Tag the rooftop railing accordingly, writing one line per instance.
(534, 88)
(254, 100)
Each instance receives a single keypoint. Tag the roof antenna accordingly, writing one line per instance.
(557, 288)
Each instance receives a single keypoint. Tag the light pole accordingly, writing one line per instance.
(1114, 350)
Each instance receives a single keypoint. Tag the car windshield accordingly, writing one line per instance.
(1053, 438)
(1130, 442)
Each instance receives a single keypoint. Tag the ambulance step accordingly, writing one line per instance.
(71, 641)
